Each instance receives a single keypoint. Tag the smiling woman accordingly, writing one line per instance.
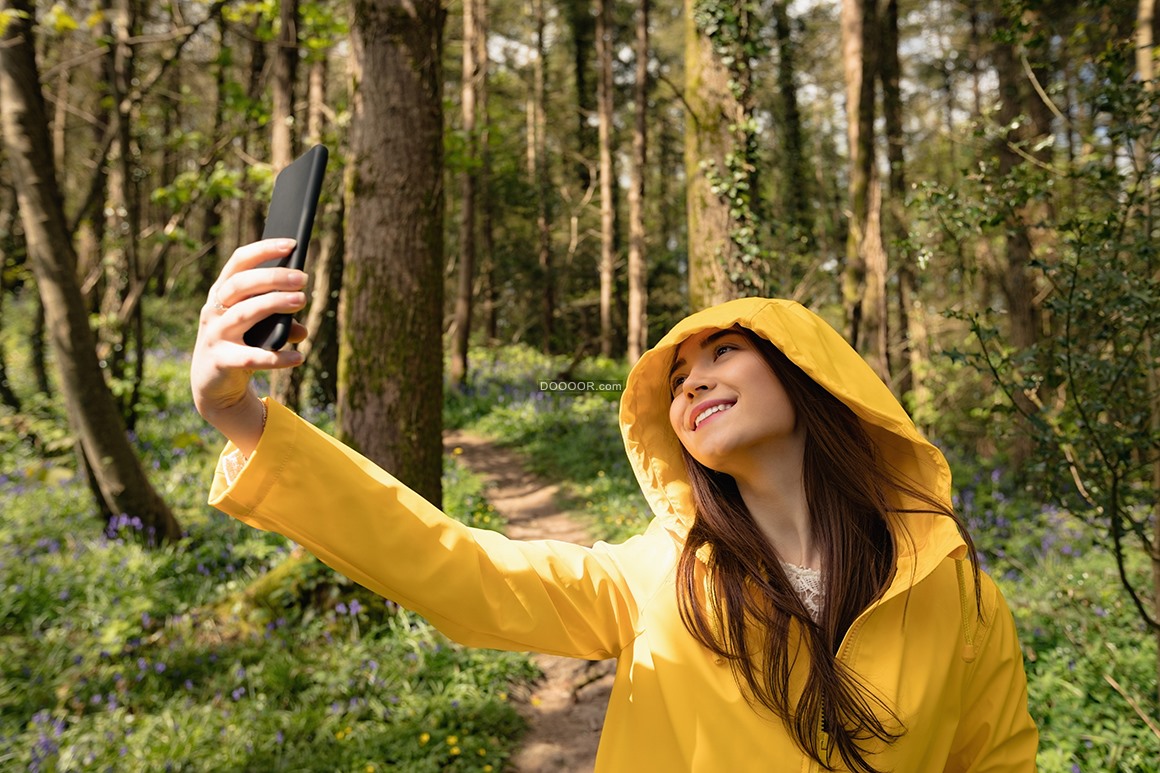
(804, 597)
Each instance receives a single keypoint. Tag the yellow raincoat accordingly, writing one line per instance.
(957, 682)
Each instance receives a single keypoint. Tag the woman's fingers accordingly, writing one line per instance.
(238, 287)
(232, 356)
(244, 314)
(256, 253)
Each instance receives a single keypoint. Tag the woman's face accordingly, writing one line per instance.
(729, 410)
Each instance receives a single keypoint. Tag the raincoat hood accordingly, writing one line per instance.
(821, 352)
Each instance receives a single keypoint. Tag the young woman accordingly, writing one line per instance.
(804, 599)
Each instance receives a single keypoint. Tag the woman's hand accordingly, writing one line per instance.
(222, 362)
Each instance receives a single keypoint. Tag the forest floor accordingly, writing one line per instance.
(565, 709)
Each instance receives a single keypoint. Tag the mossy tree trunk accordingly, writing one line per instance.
(390, 391)
(711, 109)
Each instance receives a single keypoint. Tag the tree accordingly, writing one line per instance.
(468, 179)
(390, 370)
(282, 134)
(604, 100)
(637, 266)
(115, 473)
(538, 171)
(898, 231)
(864, 281)
(711, 108)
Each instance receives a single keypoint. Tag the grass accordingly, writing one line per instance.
(116, 657)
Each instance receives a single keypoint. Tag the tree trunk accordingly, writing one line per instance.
(583, 24)
(711, 108)
(539, 169)
(211, 223)
(897, 227)
(324, 262)
(285, 75)
(92, 412)
(1019, 286)
(390, 370)
(607, 171)
(637, 267)
(461, 337)
(122, 269)
(859, 48)
(487, 227)
(797, 183)
(8, 395)
(253, 217)
(1145, 66)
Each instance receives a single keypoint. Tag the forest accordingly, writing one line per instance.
(534, 191)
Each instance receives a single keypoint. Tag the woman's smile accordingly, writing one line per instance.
(705, 411)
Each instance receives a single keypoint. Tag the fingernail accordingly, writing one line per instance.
(286, 244)
(298, 279)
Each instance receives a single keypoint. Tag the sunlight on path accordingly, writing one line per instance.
(565, 710)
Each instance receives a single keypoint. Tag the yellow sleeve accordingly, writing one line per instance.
(477, 586)
(997, 733)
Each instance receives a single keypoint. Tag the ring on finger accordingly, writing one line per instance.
(215, 304)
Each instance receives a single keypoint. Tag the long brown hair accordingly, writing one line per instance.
(755, 619)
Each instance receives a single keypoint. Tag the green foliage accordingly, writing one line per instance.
(117, 657)
(1088, 655)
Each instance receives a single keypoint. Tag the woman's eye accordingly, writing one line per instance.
(722, 349)
(676, 384)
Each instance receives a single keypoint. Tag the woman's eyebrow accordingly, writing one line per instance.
(709, 341)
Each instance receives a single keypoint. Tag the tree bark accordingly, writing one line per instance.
(1018, 283)
(539, 169)
(897, 228)
(711, 108)
(607, 171)
(211, 224)
(797, 185)
(285, 75)
(92, 412)
(1146, 68)
(461, 336)
(637, 267)
(487, 227)
(859, 65)
(122, 267)
(390, 370)
(583, 24)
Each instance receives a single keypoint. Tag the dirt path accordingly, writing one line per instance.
(565, 710)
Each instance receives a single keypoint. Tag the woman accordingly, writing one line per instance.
(804, 598)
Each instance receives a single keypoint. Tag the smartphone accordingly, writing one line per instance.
(291, 214)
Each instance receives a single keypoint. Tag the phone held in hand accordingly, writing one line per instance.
(291, 214)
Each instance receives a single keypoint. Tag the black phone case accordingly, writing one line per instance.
(291, 214)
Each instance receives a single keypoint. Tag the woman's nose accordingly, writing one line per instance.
(696, 381)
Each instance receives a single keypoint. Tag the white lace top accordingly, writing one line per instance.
(808, 584)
